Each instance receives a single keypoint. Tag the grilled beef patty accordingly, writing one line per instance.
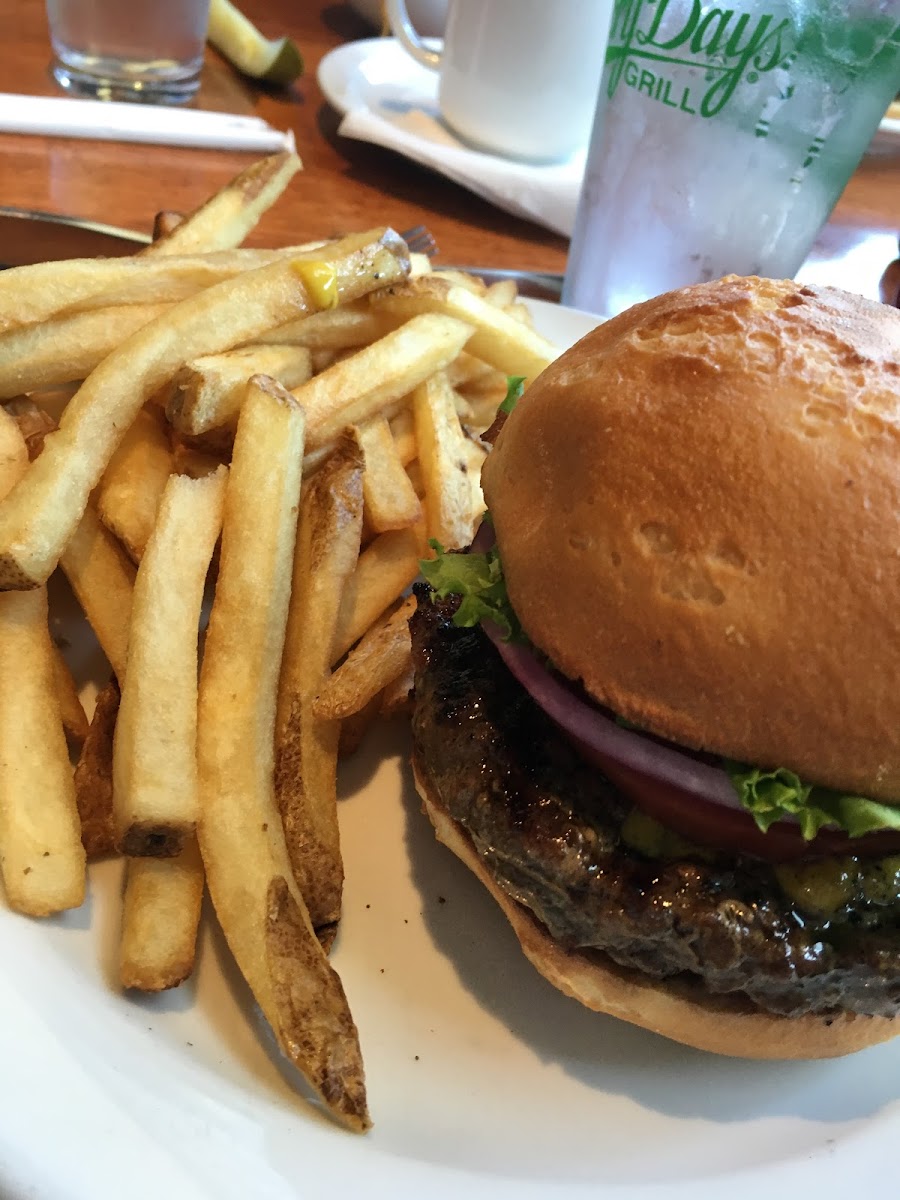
(549, 827)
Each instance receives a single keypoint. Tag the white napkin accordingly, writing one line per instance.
(545, 194)
(63, 116)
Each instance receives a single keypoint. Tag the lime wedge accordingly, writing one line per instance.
(275, 60)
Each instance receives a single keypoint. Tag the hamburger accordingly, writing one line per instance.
(657, 703)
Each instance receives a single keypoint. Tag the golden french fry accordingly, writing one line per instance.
(320, 359)
(13, 453)
(44, 290)
(465, 279)
(65, 348)
(390, 502)
(93, 776)
(396, 699)
(379, 375)
(101, 575)
(160, 917)
(41, 513)
(33, 422)
(443, 458)
(522, 313)
(386, 568)
(228, 216)
(165, 223)
(419, 264)
(355, 727)
(344, 328)
(404, 434)
(193, 462)
(475, 452)
(41, 855)
(328, 538)
(502, 294)
(374, 662)
(498, 338)
(155, 757)
(241, 837)
(133, 483)
(483, 397)
(466, 368)
(74, 718)
(206, 393)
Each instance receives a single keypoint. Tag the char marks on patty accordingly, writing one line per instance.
(549, 828)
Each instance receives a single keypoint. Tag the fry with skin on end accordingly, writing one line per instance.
(160, 915)
(42, 512)
(497, 338)
(258, 904)
(327, 548)
(41, 856)
(381, 654)
(206, 394)
(381, 374)
(133, 483)
(226, 218)
(93, 776)
(155, 757)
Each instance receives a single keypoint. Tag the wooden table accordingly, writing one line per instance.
(345, 185)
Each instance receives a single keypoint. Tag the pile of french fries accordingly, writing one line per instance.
(252, 449)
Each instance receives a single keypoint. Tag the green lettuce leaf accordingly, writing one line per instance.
(515, 386)
(771, 796)
(478, 580)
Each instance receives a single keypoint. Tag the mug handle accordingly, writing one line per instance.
(403, 30)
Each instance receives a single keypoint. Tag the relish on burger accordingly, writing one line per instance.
(657, 705)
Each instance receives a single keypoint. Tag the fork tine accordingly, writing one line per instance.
(420, 240)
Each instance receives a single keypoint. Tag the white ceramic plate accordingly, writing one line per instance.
(483, 1081)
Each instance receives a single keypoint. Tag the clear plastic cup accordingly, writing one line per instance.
(723, 138)
(149, 50)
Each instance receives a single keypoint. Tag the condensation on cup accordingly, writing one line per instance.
(723, 138)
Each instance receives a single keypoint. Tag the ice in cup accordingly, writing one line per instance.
(150, 50)
(723, 138)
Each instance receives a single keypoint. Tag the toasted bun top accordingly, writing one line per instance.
(698, 512)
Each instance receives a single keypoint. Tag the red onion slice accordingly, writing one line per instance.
(604, 737)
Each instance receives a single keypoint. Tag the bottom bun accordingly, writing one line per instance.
(681, 1011)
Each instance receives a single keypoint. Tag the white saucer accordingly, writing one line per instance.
(389, 100)
(375, 73)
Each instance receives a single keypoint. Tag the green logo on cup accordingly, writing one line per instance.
(724, 46)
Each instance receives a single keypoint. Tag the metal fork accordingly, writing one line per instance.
(420, 240)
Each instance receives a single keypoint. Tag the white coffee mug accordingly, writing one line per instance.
(517, 77)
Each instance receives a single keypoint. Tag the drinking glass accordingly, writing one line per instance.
(149, 50)
(723, 138)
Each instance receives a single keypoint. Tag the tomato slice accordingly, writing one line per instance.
(710, 824)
